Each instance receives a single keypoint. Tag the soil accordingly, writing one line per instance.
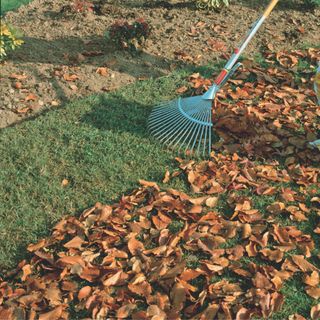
(63, 50)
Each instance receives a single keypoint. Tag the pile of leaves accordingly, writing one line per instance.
(165, 255)
(269, 112)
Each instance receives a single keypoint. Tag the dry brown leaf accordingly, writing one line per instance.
(126, 310)
(34, 247)
(31, 97)
(276, 207)
(26, 272)
(53, 295)
(64, 182)
(76, 243)
(211, 202)
(18, 76)
(102, 71)
(116, 280)
(149, 184)
(54, 314)
(303, 264)
(311, 280)
(70, 77)
(166, 178)
(134, 245)
(315, 312)
(182, 89)
(84, 292)
(313, 292)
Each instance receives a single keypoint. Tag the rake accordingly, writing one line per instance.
(187, 122)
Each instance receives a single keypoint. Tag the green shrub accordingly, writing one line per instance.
(9, 40)
(211, 4)
(312, 4)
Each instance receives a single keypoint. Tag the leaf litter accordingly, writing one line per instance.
(218, 254)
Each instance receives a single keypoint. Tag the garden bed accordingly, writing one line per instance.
(63, 51)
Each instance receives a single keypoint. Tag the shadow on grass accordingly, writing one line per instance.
(75, 51)
(112, 113)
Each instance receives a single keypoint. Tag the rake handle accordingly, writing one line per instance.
(238, 51)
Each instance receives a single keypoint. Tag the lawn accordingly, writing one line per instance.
(7, 5)
(99, 144)
(101, 147)
(95, 149)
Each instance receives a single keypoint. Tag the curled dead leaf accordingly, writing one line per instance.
(315, 312)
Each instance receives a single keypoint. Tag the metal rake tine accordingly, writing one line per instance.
(201, 118)
(166, 125)
(179, 131)
(185, 131)
(202, 131)
(194, 134)
(188, 135)
(157, 119)
(210, 131)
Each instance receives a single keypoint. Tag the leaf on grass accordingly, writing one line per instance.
(31, 97)
(34, 247)
(166, 178)
(70, 77)
(303, 264)
(315, 312)
(313, 292)
(102, 71)
(149, 184)
(64, 182)
(18, 76)
(182, 89)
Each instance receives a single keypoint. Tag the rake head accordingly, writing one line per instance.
(184, 123)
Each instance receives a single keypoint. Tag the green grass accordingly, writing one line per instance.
(99, 144)
(7, 5)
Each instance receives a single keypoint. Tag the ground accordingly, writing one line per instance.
(181, 35)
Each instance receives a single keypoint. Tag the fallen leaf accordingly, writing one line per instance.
(102, 71)
(18, 76)
(70, 77)
(166, 178)
(182, 89)
(26, 272)
(312, 279)
(31, 97)
(126, 310)
(54, 314)
(315, 312)
(76, 243)
(64, 182)
(313, 292)
(17, 85)
(84, 292)
(211, 202)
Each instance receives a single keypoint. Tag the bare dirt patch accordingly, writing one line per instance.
(63, 51)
